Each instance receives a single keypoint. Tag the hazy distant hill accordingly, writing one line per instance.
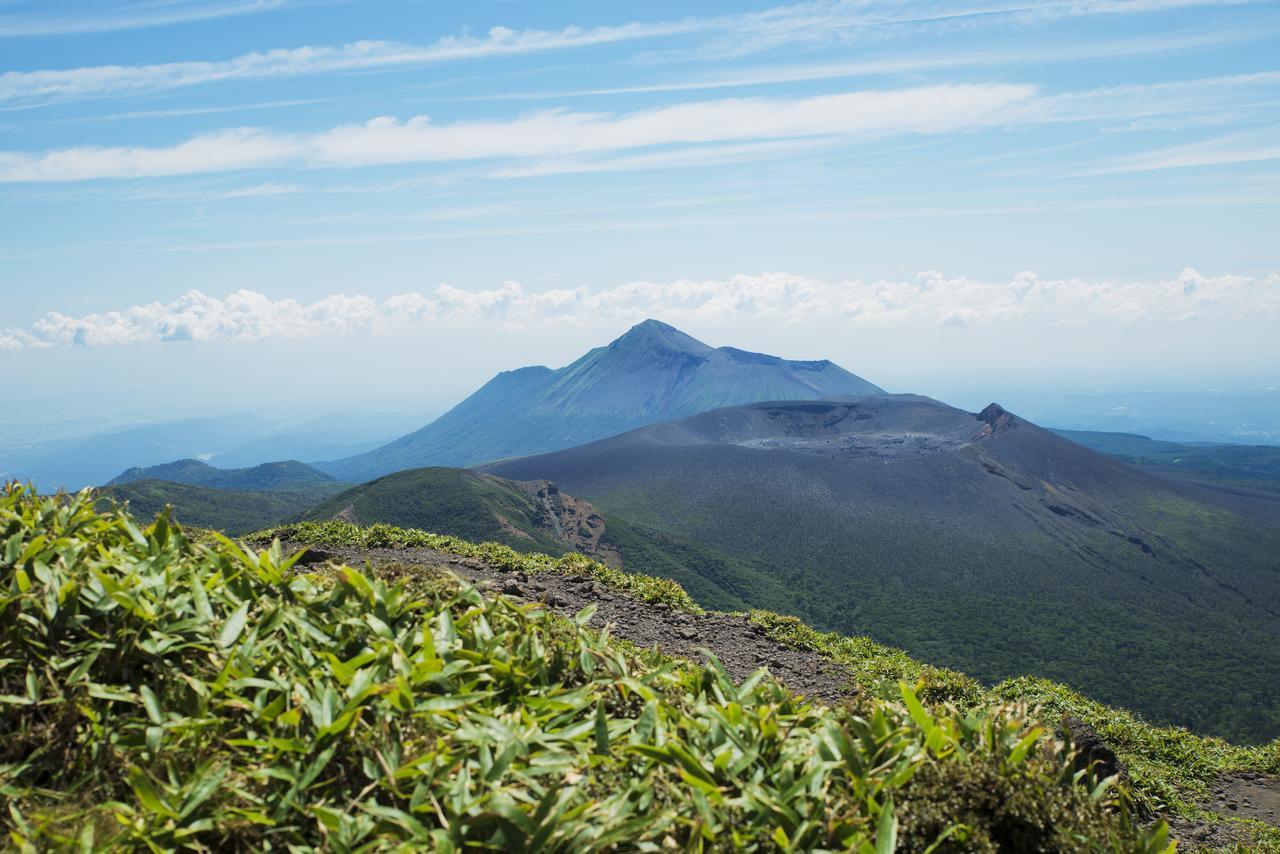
(1250, 465)
(94, 460)
(652, 373)
(232, 511)
(267, 477)
(982, 542)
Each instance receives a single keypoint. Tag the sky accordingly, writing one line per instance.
(207, 204)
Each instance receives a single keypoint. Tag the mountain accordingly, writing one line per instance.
(652, 373)
(267, 477)
(231, 511)
(981, 542)
(234, 501)
(539, 516)
(527, 516)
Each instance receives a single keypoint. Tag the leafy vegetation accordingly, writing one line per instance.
(162, 693)
(1170, 768)
(646, 588)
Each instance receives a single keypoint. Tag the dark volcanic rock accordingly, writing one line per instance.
(1092, 752)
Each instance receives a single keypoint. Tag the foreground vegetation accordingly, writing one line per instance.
(161, 693)
(1170, 768)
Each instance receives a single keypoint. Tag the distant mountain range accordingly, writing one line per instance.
(234, 501)
(233, 512)
(1253, 466)
(238, 440)
(267, 477)
(980, 542)
(652, 373)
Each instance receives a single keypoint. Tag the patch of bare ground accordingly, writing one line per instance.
(1243, 795)
(735, 641)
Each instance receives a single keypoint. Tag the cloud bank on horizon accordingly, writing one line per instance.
(930, 299)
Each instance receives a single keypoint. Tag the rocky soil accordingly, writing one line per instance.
(738, 644)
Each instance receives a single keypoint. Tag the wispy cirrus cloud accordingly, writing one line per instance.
(556, 140)
(1220, 151)
(301, 61)
(386, 140)
(53, 19)
(819, 21)
(931, 299)
(1127, 48)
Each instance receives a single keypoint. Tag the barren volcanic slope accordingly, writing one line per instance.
(652, 373)
(981, 542)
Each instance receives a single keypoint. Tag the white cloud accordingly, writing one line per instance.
(931, 299)
(385, 140)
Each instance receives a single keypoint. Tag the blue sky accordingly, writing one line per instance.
(407, 196)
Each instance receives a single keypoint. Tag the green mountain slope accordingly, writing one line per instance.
(334, 710)
(982, 543)
(652, 373)
(231, 511)
(462, 503)
(537, 516)
(288, 474)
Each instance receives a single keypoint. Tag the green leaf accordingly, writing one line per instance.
(584, 616)
(887, 829)
(602, 730)
(151, 704)
(234, 626)
(147, 795)
(1019, 753)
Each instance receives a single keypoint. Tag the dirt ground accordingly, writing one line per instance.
(739, 645)
(742, 648)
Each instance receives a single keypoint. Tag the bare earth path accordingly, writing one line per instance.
(742, 648)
